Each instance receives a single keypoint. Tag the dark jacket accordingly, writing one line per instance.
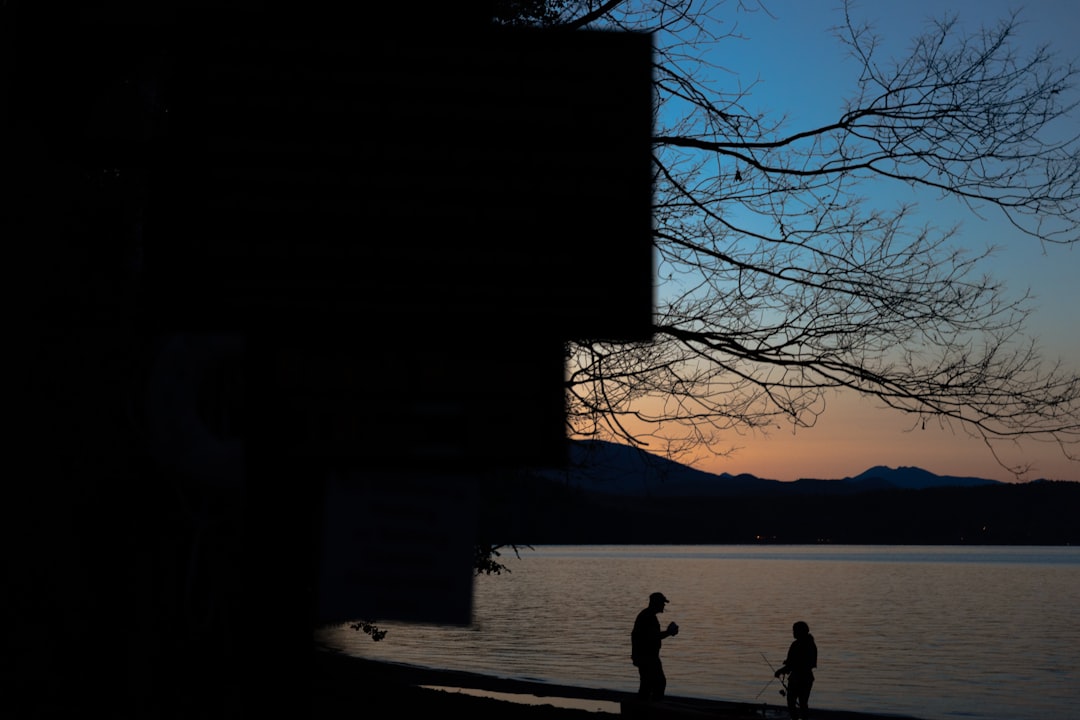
(645, 638)
(801, 657)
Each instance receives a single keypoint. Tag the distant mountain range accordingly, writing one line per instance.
(609, 468)
(612, 493)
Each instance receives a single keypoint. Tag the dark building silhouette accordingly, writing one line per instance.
(293, 281)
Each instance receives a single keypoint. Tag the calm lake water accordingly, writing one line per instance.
(941, 633)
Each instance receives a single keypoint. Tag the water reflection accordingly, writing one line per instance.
(937, 633)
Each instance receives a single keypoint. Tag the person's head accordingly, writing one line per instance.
(657, 601)
(800, 629)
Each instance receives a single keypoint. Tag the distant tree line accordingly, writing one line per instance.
(1036, 513)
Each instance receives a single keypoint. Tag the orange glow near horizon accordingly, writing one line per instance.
(854, 435)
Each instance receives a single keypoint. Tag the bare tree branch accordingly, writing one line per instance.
(781, 282)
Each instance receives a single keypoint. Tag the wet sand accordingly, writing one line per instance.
(346, 686)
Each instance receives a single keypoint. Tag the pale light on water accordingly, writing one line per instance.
(934, 632)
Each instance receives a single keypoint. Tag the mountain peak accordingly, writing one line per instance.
(910, 477)
(617, 469)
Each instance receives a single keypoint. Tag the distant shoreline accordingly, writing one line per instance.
(1032, 514)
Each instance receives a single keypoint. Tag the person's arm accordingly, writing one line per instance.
(786, 667)
(672, 631)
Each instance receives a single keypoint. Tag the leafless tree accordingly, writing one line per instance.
(780, 282)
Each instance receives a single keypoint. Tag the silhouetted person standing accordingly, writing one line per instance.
(799, 665)
(645, 648)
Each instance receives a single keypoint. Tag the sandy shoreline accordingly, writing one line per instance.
(338, 677)
(348, 687)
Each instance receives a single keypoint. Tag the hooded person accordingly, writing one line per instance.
(799, 667)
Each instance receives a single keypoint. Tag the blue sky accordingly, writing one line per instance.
(800, 70)
(779, 50)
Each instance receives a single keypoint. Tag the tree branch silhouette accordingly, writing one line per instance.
(780, 280)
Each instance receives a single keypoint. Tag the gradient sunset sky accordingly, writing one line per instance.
(802, 71)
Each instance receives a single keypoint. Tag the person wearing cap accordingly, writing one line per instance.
(645, 640)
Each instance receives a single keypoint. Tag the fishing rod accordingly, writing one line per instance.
(783, 685)
(764, 688)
